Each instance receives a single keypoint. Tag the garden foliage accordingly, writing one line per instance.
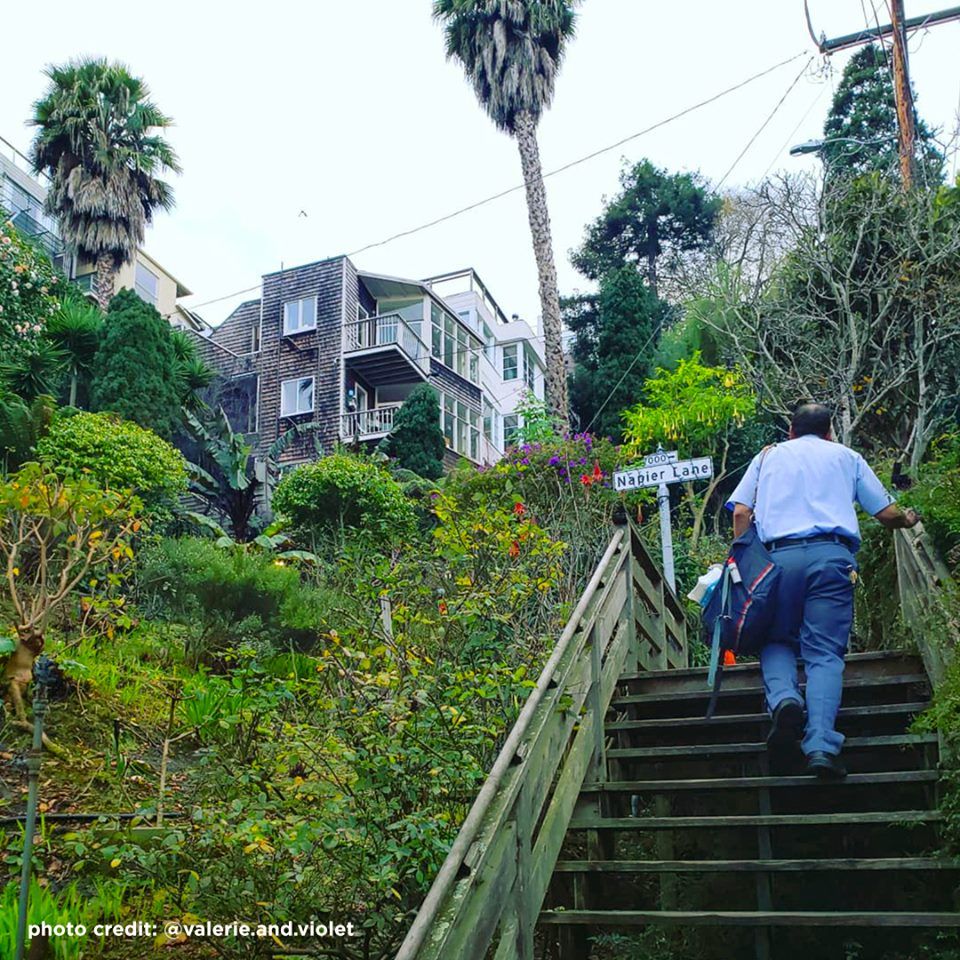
(417, 441)
(135, 371)
(343, 497)
(117, 454)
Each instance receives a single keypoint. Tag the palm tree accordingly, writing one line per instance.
(75, 329)
(511, 52)
(98, 140)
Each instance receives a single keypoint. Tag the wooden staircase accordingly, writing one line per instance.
(695, 824)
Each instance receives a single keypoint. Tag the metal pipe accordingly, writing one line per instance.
(33, 775)
(448, 873)
(875, 33)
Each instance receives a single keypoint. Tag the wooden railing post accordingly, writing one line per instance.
(632, 663)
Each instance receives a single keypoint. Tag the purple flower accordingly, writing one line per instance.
(554, 460)
(526, 461)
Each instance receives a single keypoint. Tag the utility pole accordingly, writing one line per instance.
(903, 93)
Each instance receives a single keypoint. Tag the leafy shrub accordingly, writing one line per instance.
(118, 454)
(231, 596)
(937, 497)
(28, 285)
(565, 485)
(342, 493)
(417, 440)
(135, 373)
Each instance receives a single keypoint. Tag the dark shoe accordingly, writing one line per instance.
(825, 766)
(787, 724)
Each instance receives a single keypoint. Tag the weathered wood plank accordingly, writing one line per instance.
(887, 709)
(731, 918)
(752, 866)
(755, 783)
(725, 693)
(688, 751)
(754, 820)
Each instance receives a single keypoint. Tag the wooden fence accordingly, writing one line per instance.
(489, 891)
(928, 600)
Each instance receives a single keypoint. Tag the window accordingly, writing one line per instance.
(529, 369)
(453, 346)
(296, 396)
(489, 344)
(511, 426)
(255, 338)
(463, 353)
(449, 341)
(448, 419)
(488, 420)
(461, 426)
(299, 315)
(510, 362)
(146, 284)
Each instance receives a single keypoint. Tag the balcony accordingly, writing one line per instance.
(368, 424)
(385, 349)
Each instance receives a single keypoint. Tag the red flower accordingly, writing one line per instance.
(586, 479)
(514, 549)
(442, 606)
(519, 509)
(597, 472)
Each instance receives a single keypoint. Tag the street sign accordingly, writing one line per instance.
(659, 470)
(678, 471)
(659, 458)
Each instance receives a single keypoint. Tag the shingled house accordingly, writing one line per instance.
(342, 348)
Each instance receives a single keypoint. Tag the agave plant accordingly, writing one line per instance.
(227, 479)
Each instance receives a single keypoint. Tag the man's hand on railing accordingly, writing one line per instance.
(893, 518)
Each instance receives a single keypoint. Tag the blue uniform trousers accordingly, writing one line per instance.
(814, 613)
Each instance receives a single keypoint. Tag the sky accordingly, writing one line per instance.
(311, 128)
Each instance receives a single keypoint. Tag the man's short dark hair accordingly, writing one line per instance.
(811, 418)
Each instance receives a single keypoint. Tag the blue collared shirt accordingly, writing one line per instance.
(809, 486)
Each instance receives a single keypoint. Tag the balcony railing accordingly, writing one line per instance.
(362, 424)
(387, 330)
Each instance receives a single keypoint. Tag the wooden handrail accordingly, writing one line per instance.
(924, 584)
(493, 881)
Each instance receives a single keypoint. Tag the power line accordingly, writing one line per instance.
(626, 373)
(550, 173)
(793, 132)
(763, 125)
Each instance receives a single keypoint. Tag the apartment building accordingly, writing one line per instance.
(22, 195)
(342, 348)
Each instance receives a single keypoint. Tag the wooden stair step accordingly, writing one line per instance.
(885, 709)
(753, 783)
(716, 749)
(905, 679)
(749, 918)
(589, 822)
(754, 666)
(753, 866)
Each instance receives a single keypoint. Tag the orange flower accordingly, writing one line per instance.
(442, 607)
(519, 509)
(514, 549)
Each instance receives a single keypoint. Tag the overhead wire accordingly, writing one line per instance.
(550, 173)
(743, 152)
(765, 124)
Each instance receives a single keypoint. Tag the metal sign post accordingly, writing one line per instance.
(659, 470)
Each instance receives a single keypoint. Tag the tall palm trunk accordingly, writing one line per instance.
(104, 281)
(525, 130)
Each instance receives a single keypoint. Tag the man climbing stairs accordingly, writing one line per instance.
(694, 828)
